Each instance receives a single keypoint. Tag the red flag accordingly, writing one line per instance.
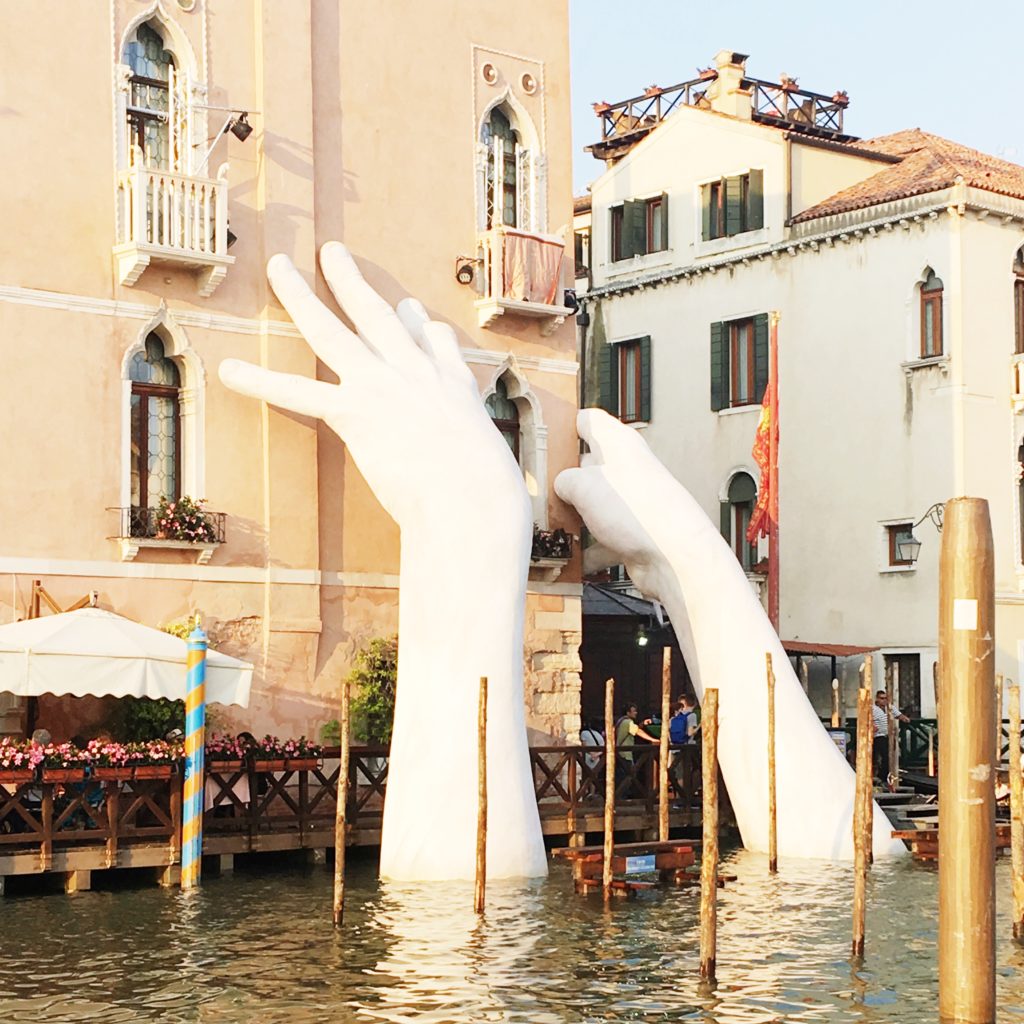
(762, 456)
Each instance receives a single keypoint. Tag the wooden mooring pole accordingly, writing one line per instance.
(836, 713)
(479, 889)
(967, 988)
(1016, 814)
(666, 711)
(773, 835)
(861, 802)
(999, 720)
(609, 787)
(868, 817)
(709, 844)
(339, 814)
(892, 689)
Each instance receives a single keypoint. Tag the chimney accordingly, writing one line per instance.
(728, 94)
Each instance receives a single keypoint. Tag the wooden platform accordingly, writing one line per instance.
(924, 842)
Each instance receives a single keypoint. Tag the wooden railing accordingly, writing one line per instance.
(178, 212)
(41, 817)
(299, 800)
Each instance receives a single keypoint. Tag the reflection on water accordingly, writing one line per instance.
(258, 948)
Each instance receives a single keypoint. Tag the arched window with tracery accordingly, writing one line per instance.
(155, 426)
(151, 105)
(508, 172)
(505, 415)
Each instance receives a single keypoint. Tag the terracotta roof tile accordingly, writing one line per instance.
(928, 163)
(581, 204)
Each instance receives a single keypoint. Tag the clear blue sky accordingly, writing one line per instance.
(955, 69)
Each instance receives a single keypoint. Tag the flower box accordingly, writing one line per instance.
(111, 773)
(17, 774)
(301, 764)
(63, 775)
(222, 765)
(270, 764)
(153, 771)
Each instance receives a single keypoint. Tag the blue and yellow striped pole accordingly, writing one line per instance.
(195, 774)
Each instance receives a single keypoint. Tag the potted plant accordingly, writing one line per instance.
(109, 760)
(271, 754)
(155, 759)
(64, 762)
(18, 760)
(185, 519)
(225, 753)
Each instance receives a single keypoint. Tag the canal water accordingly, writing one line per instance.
(257, 947)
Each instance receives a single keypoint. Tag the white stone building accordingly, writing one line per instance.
(896, 266)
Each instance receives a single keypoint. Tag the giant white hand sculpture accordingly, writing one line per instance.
(640, 514)
(410, 413)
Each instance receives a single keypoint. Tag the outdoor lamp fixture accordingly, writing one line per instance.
(240, 127)
(236, 122)
(464, 269)
(641, 637)
(910, 547)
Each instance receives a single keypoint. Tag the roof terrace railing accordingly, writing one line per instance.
(772, 103)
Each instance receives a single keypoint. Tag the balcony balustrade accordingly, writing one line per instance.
(172, 218)
(521, 275)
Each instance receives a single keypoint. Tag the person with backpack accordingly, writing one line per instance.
(682, 728)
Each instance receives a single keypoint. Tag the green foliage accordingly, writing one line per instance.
(138, 719)
(330, 733)
(374, 678)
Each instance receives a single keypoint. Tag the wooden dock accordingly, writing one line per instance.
(72, 831)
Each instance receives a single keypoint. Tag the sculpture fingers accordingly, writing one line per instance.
(286, 390)
(377, 323)
(598, 557)
(609, 439)
(327, 336)
(437, 339)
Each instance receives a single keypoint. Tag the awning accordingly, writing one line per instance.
(600, 600)
(92, 652)
(825, 650)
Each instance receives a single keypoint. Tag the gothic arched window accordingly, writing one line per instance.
(155, 426)
(739, 509)
(931, 316)
(503, 172)
(505, 415)
(150, 97)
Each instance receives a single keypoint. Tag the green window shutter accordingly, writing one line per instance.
(719, 366)
(634, 228)
(663, 241)
(645, 379)
(608, 378)
(705, 212)
(760, 355)
(733, 205)
(755, 201)
(725, 520)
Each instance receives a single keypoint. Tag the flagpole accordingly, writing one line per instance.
(773, 473)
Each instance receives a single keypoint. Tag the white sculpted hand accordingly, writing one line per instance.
(410, 413)
(641, 515)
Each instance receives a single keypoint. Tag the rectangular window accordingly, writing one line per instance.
(624, 379)
(629, 382)
(897, 534)
(639, 226)
(582, 251)
(931, 324)
(741, 359)
(732, 206)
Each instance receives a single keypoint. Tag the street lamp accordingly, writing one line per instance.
(908, 547)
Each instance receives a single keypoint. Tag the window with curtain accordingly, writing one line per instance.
(736, 513)
(731, 206)
(639, 226)
(149, 97)
(739, 362)
(931, 316)
(155, 426)
(505, 415)
(624, 379)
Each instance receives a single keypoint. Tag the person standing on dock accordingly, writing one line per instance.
(881, 713)
(626, 731)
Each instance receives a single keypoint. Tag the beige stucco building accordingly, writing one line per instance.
(897, 268)
(139, 218)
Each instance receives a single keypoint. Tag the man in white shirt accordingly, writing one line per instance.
(880, 714)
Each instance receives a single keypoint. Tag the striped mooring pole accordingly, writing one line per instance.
(195, 775)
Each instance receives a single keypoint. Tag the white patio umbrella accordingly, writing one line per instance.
(92, 652)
